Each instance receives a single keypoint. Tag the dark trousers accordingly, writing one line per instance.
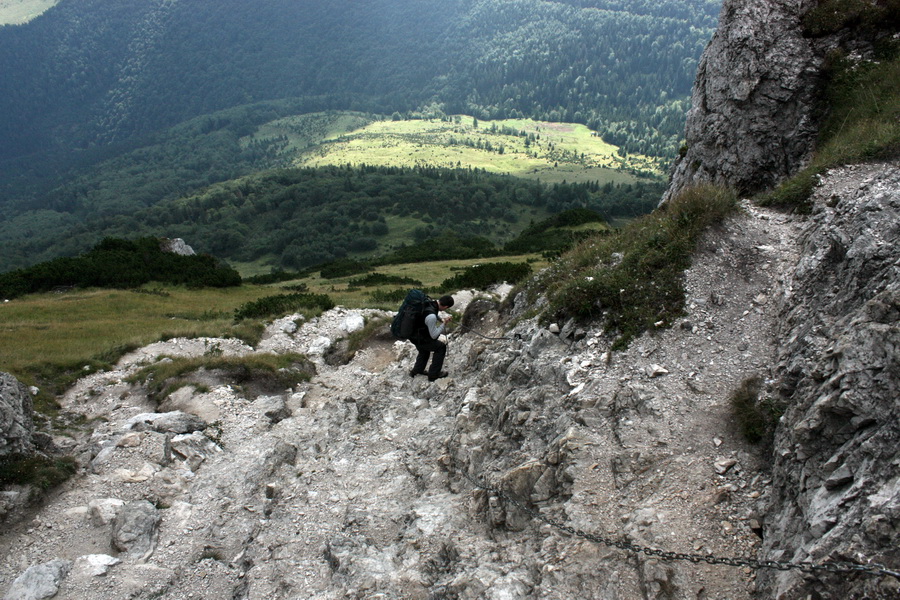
(425, 349)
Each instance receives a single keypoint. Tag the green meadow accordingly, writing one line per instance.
(16, 12)
(549, 152)
(82, 326)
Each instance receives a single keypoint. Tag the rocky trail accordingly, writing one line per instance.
(352, 486)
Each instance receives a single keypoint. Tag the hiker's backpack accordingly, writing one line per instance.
(411, 315)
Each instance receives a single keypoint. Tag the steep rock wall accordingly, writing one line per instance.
(751, 120)
(837, 451)
(16, 423)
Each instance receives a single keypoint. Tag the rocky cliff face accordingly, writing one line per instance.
(751, 119)
(16, 424)
(837, 451)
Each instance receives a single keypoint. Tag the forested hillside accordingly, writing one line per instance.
(90, 80)
(94, 71)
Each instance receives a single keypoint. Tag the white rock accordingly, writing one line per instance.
(655, 370)
(353, 323)
(96, 565)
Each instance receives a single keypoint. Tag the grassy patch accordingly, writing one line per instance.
(551, 152)
(632, 280)
(268, 372)
(66, 332)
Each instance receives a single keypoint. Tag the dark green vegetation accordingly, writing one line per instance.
(260, 373)
(281, 304)
(861, 100)
(39, 471)
(119, 263)
(108, 78)
(298, 218)
(482, 276)
(632, 280)
(756, 416)
(116, 69)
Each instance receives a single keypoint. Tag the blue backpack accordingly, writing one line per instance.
(411, 315)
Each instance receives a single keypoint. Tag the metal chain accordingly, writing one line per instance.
(805, 566)
(469, 329)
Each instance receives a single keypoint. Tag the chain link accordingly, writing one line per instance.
(805, 566)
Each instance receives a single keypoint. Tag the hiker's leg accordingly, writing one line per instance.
(437, 361)
(422, 358)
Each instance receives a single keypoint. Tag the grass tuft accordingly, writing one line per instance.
(755, 417)
(269, 372)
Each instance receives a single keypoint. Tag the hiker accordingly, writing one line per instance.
(425, 338)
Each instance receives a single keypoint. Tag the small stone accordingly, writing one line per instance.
(553, 328)
(724, 465)
(655, 370)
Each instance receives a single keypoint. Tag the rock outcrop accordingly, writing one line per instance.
(751, 119)
(756, 106)
(837, 452)
(16, 423)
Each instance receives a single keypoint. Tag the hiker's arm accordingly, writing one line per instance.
(435, 328)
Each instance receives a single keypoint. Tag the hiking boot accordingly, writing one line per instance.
(413, 373)
(440, 375)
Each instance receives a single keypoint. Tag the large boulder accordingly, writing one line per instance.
(16, 423)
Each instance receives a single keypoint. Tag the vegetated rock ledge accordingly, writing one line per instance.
(351, 485)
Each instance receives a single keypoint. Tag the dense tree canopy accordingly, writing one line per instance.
(95, 82)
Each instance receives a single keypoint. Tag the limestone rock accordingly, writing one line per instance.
(135, 529)
(170, 422)
(838, 451)
(176, 246)
(39, 582)
(16, 424)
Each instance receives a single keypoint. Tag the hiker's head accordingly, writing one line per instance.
(445, 302)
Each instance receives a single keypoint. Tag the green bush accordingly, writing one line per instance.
(281, 304)
(445, 247)
(389, 296)
(119, 263)
(42, 472)
(274, 277)
(487, 274)
(344, 267)
(755, 417)
(376, 279)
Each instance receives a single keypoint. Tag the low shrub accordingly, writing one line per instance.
(274, 277)
(389, 296)
(282, 304)
(40, 471)
(343, 267)
(755, 417)
(120, 263)
(376, 279)
(487, 274)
